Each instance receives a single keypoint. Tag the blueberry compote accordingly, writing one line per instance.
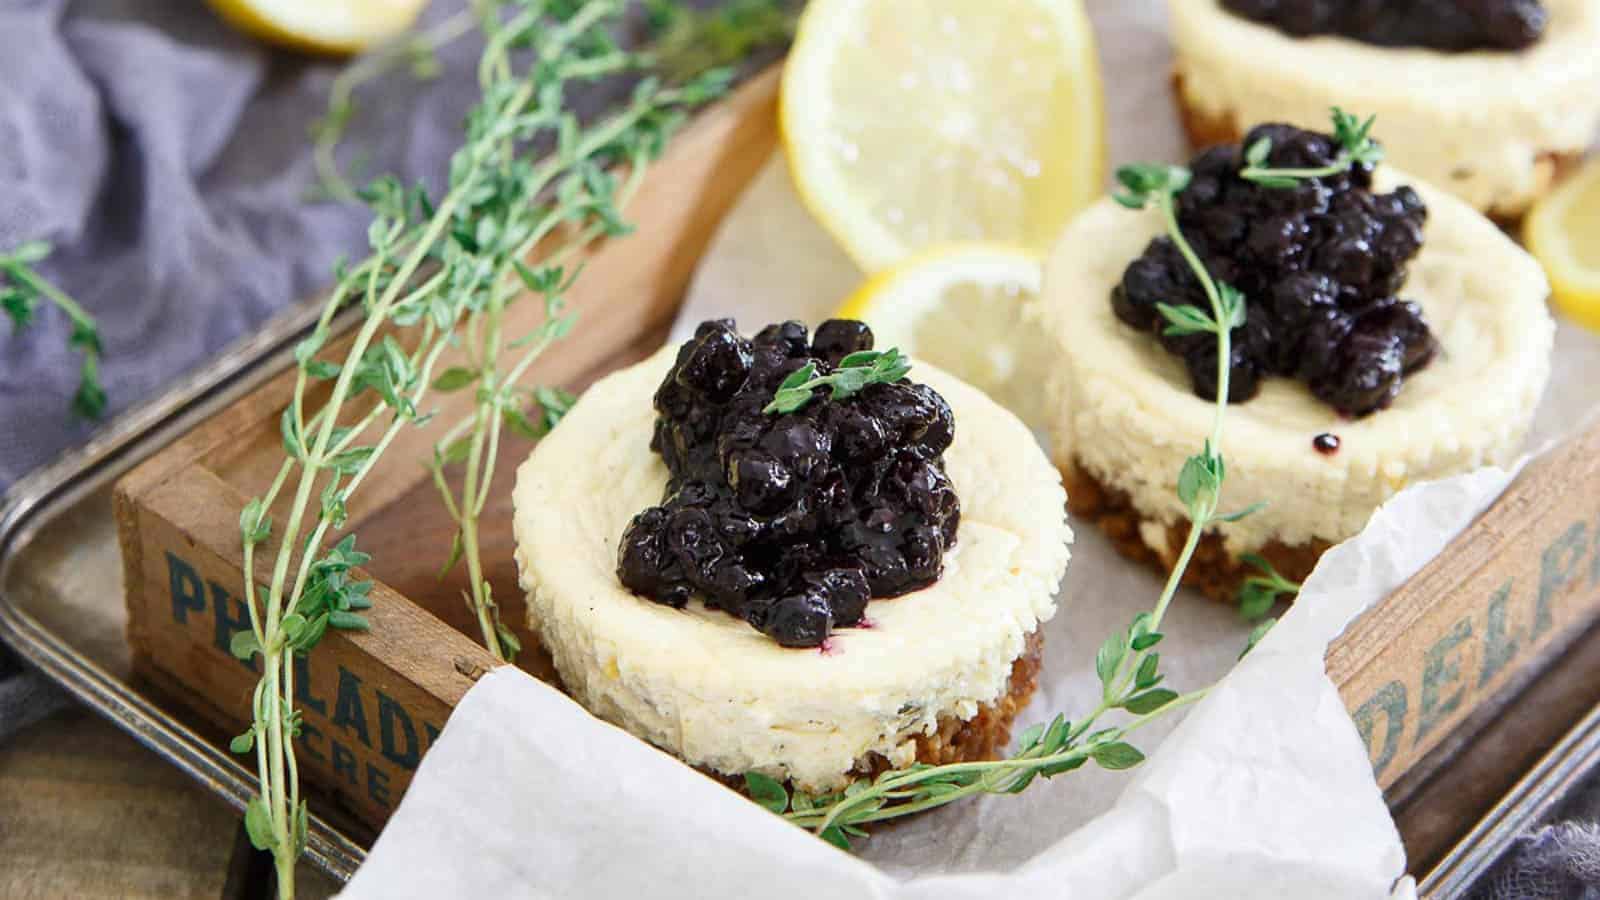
(791, 522)
(1449, 25)
(1319, 265)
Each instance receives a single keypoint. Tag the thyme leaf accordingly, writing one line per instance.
(854, 374)
(23, 290)
(1259, 593)
(1356, 147)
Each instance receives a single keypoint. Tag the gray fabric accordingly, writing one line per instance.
(1559, 862)
(25, 696)
(167, 159)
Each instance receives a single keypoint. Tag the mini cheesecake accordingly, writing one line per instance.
(1125, 414)
(934, 675)
(1495, 127)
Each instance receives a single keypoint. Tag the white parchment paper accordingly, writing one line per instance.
(1263, 790)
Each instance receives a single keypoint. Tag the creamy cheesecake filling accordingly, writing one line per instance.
(707, 687)
(1481, 125)
(1122, 408)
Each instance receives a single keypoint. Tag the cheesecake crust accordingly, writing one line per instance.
(983, 737)
(1210, 129)
(1212, 570)
(986, 735)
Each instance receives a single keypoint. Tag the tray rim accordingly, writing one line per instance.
(43, 495)
(40, 497)
(1538, 792)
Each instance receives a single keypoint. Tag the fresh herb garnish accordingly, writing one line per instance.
(441, 274)
(689, 41)
(1357, 147)
(1127, 665)
(22, 289)
(855, 372)
(1256, 634)
(418, 50)
(1258, 593)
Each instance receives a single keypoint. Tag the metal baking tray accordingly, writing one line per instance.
(1530, 803)
(61, 608)
(61, 599)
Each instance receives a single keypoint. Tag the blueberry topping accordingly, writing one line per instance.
(1449, 25)
(1319, 265)
(791, 522)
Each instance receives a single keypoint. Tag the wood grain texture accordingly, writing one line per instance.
(1513, 734)
(1521, 581)
(88, 813)
(373, 701)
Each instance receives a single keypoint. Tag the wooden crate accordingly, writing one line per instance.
(1523, 578)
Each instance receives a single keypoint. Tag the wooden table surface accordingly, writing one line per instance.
(86, 812)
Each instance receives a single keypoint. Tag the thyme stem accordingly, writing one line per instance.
(21, 290)
(434, 269)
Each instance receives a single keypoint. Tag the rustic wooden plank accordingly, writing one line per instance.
(373, 701)
(1519, 581)
(1513, 733)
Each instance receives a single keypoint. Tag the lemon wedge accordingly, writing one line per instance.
(321, 26)
(959, 307)
(1563, 233)
(909, 123)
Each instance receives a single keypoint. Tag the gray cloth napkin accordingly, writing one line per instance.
(167, 159)
(1556, 862)
(25, 695)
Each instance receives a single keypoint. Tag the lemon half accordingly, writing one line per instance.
(959, 307)
(909, 123)
(321, 26)
(1563, 233)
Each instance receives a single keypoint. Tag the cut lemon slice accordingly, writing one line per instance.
(1563, 232)
(959, 306)
(321, 26)
(909, 123)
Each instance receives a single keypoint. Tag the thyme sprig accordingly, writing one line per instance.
(1260, 592)
(1126, 664)
(418, 50)
(689, 41)
(440, 274)
(1356, 147)
(853, 374)
(23, 289)
(498, 365)
(1043, 750)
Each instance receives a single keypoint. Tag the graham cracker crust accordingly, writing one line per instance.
(985, 736)
(1212, 570)
(1208, 130)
